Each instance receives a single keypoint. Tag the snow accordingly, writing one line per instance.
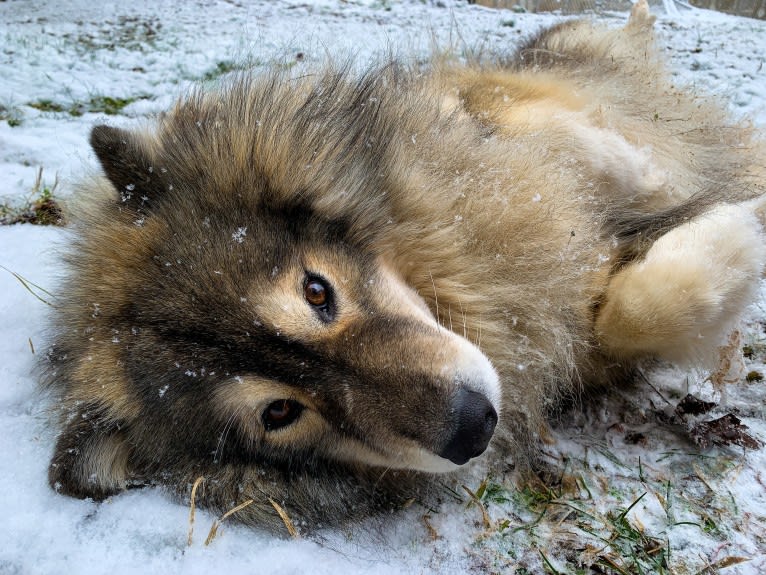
(73, 52)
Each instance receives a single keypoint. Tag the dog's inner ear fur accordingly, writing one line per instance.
(128, 166)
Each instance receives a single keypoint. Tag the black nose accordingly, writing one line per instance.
(475, 421)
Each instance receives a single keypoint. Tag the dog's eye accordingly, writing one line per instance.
(319, 295)
(316, 293)
(281, 413)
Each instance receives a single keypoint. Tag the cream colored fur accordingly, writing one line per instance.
(682, 298)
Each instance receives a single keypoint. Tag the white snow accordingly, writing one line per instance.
(73, 52)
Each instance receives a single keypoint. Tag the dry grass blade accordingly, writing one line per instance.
(608, 561)
(722, 564)
(286, 519)
(29, 285)
(431, 530)
(199, 480)
(484, 514)
(729, 561)
(217, 523)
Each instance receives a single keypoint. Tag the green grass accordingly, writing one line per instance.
(754, 376)
(221, 68)
(586, 520)
(47, 106)
(131, 33)
(10, 114)
(109, 105)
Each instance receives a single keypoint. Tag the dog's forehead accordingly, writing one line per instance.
(287, 147)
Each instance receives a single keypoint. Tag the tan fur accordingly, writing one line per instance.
(493, 237)
(100, 376)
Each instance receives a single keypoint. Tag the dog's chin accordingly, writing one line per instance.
(421, 460)
(431, 463)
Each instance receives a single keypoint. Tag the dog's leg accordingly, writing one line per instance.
(681, 300)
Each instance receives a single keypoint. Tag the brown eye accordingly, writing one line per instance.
(319, 295)
(316, 293)
(281, 413)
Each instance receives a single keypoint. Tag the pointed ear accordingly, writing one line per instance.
(128, 166)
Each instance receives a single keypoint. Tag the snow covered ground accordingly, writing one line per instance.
(64, 65)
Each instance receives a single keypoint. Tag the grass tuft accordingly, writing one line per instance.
(41, 207)
(11, 114)
(109, 105)
(754, 376)
(221, 68)
(47, 106)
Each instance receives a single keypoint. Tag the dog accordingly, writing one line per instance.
(319, 291)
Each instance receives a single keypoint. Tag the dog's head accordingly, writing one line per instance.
(254, 322)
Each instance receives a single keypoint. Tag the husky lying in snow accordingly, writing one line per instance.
(322, 290)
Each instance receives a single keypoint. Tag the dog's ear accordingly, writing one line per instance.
(92, 456)
(129, 166)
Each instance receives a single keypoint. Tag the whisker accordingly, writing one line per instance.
(436, 297)
(478, 332)
(224, 434)
(380, 477)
